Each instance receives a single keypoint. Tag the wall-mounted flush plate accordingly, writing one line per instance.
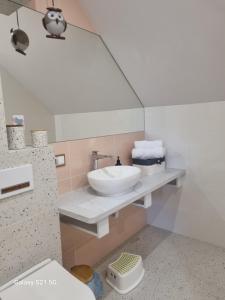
(17, 180)
(60, 160)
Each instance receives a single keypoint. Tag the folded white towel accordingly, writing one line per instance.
(148, 144)
(156, 152)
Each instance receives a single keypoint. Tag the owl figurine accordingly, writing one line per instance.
(54, 23)
(19, 40)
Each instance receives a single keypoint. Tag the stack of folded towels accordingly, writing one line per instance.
(149, 156)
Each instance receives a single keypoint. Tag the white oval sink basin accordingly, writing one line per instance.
(114, 180)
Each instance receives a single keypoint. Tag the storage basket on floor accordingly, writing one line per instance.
(87, 275)
(125, 273)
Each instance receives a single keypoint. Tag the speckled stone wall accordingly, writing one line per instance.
(29, 223)
(3, 141)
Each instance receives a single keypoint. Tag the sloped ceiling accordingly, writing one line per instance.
(172, 51)
(7, 7)
(72, 76)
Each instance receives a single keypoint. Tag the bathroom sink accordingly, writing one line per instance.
(114, 180)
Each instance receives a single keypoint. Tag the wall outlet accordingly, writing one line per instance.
(60, 160)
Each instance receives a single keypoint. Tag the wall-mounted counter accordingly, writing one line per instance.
(86, 210)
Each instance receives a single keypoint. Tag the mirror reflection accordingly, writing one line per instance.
(73, 88)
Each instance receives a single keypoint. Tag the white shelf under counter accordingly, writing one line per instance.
(87, 211)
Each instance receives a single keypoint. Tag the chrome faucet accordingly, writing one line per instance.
(96, 157)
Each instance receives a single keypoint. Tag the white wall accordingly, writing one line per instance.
(84, 125)
(172, 51)
(194, 137)
(8, 7)
(18, 100)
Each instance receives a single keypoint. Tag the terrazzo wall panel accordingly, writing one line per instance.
(29, 222)
(3, 144)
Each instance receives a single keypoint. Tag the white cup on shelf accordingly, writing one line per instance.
(39, 138)
(16, 137)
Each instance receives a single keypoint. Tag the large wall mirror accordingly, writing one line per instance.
(72, 88)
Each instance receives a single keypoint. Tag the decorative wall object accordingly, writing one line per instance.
(54, 22)
(19, 38)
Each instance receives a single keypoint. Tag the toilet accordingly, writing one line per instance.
(47, 280)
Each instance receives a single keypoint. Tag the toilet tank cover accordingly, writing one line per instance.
(49, 281)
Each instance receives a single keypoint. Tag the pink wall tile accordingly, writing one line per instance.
(80, 157)
(79, 181)
(68, 258)
(96, 249)
(81, 153)
(79, 247)
(63, 148)
(64, 186)
(72, 237)
(105, 145)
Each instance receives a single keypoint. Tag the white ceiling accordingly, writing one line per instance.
(7, 7)
(172, 51)
(72, 76)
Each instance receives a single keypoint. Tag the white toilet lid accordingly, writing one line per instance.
(50, 282)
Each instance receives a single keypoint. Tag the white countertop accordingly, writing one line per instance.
(86, 206)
